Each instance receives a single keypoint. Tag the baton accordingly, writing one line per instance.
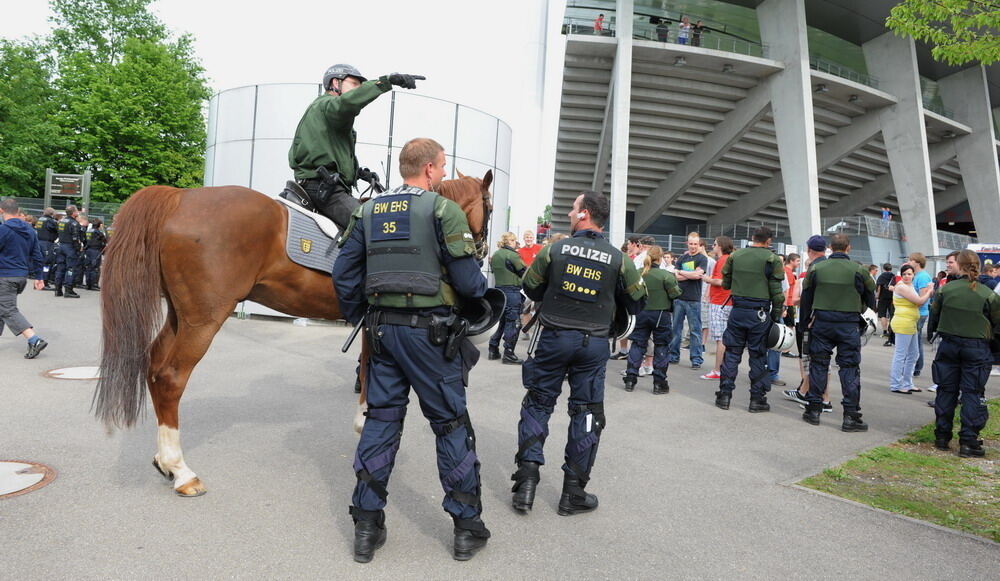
(354, 333)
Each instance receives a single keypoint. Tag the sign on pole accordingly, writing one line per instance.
(63, 189)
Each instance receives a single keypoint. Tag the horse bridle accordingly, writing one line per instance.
(483, 244)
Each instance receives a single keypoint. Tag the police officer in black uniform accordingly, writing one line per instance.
(68, 260)
(580, 282)
(508, 268)
(835, 293)
(966, 315)
(408, 255)
(753, 275)
(94, 249)
(48, 230)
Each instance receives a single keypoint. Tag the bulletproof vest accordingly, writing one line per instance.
(834, 286)
(44, 234)
(95, 239)
(751, 267)
(502, 275)
(67, 229)
(963, 310)
(403, 261)
(582, 278)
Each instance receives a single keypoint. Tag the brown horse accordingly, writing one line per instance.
(164, 246)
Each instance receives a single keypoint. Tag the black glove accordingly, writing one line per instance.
(776, 315)
(365, 174)
(405, 81)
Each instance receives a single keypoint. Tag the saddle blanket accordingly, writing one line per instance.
(311, 238)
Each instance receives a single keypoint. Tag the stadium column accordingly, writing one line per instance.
(894, 61)
(966, 93)
(783, 30)
(621, 110)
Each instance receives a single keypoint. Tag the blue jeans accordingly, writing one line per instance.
(903, 360)
(691, 310)
(773, 363)
(919, 366)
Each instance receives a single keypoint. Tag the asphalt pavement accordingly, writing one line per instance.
(686, 490)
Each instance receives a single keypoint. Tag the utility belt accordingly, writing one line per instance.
(447, 330)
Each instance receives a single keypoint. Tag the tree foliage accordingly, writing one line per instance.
(110, 91)
(959, 31)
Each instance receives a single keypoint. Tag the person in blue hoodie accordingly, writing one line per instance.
(20, 259)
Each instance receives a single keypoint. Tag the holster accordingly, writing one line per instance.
(330, 182)
(372, 324)
(440, 328)
(458, 332)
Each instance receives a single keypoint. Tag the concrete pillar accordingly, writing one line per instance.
(894, 61)
(621, 112)
(783, 30)
(967, 94)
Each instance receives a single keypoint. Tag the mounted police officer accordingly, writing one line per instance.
(68, 260)
(753, 275)
(322, 153)
(94, 249)
(835, 292)
(408, 255)
(966, 315)
(47, 229)
(508, 268)
(580, 281)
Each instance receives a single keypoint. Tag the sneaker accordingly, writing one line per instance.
(995, 371)
(619, 355)
(711, 375)
(888, 344)
(35, 348)
(794, 395)
(933, 388)
(827, 407)
(696, 366)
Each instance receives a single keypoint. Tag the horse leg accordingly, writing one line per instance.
(175, 353)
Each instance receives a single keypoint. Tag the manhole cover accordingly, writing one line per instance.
(74, 373)
(20, 477)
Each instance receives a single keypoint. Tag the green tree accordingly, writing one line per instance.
(101, 27)
(959, 31)
(29, 135)
(546, 217)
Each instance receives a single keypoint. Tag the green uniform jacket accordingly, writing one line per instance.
(508, 268)
(962, 311)
(325, 135)
(755, 272)
(661, 289)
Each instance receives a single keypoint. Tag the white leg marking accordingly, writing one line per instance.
(170, 457)
(359, 417)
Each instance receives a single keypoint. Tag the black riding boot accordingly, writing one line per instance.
(471, 535)
(338, 207)
(575, 499)
(369, 533)
(525, 482)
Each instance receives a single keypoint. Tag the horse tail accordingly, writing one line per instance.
(130, 304)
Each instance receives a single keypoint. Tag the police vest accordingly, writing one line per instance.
(67, 230)
(582, 278)
(751, 268)
(502, 273)
(46, 233)
(965, 311)
(835, 288)
(95, 239)
(403, 253)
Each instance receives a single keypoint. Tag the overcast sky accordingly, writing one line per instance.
(478, 53)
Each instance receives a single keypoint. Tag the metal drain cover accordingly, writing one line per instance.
(93, 372)
(20, 477)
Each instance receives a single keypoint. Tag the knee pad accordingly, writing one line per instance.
(364, 469)
(534, 398)
(470, 462)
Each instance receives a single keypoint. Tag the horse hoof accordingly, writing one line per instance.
(167, 475)
(191, 489)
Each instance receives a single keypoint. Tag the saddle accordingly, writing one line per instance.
(295, 194)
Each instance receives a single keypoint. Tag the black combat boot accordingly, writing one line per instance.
(58, 292)
(575, 499)
(660, 386)
(525, 482)
(471, 535)
(758, 405)
(369, 533)
(510, 358)
(70, 293)
(853, 423)
(494, 354)
(812, 413)
(722, 399)
(942, 444)
(93, 287)
(971, 449)
(630, 379)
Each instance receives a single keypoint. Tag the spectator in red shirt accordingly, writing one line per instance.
(719, 305)
(529, 249)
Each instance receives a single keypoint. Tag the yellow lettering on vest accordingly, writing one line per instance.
(399, 206)
(381, 207)
(573, 269)
(591, 274)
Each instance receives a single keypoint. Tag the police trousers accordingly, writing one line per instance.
(92, 266)
(510, 322)
(68, 266)
(824, 337)
(961, 367)
(583, 359)
(747, 329)
(408, 359)
(655, 325)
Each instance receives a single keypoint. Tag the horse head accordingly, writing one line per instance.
(473, 196)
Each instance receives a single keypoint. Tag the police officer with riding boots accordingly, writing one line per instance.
(68, 260)
(966, 316)
(835, 293)
(580, 282)
(408, 257)
(47, 229)
(508, 268)
(753, 275)
(93, 250)
(322, 153)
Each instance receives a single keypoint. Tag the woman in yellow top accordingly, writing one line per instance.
(904, 324)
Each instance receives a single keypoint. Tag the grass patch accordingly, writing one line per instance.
(911, 477)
